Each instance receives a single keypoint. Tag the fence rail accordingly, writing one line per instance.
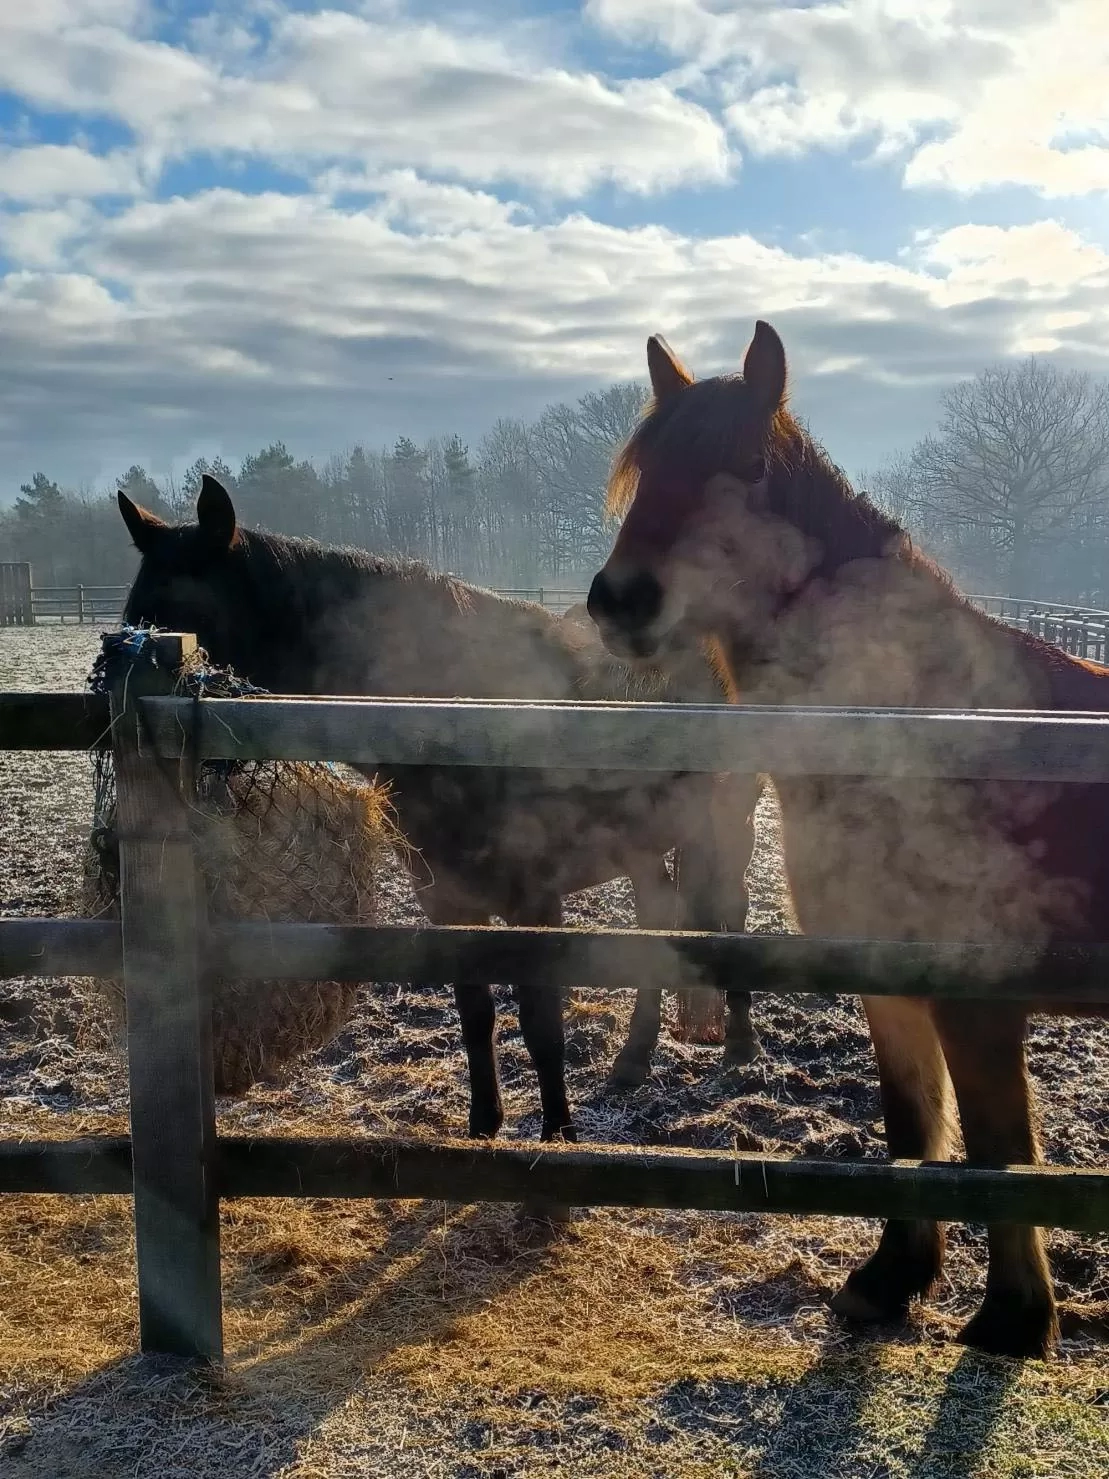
(435, 956)
(998, 744)
(176, 1168)
(1082, 631)
(707, 1181)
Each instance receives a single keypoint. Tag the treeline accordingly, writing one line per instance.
(1010, 493)
(524, 507)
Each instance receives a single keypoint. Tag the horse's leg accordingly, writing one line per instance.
(540, 1007)
(541, 1024)
(984, 1047)
(478, 1016)
(655, 909)
(916, 1105)
(712, 880)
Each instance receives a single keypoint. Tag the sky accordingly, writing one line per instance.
(222, 226)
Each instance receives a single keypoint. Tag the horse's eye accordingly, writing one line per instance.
(755, 470)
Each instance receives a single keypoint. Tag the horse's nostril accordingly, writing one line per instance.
(632, 604)
(599, 601)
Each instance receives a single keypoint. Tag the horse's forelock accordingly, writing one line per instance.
(689, 438)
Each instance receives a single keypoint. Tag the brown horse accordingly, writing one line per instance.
(295, 617)
(736, 524)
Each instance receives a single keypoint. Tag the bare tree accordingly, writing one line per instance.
(574, 449)
(1020, 462)
(893, 487)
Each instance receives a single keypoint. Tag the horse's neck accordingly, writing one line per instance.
(409, 631)
(890, 631)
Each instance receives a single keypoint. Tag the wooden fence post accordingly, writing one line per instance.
(169, 1022)
(80, 605)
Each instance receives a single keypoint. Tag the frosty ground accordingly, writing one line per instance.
(412, 1339)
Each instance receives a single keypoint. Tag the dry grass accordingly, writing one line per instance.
(365, 1338)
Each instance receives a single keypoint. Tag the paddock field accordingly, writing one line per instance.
(413, 1339)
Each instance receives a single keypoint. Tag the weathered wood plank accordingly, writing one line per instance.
(579, 958)
(1003, 745)
(598, 736)
(169, 1027)
(696, 1180)
(53, 721)
(783, 964)
(615, 1176)
(59, 947)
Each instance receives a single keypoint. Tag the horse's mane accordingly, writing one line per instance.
(286, 568)
(291, 555)
(693, 436)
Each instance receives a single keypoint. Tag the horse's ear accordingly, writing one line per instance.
(143, 526)
(215, 513)
(764, 368)
(668, 374)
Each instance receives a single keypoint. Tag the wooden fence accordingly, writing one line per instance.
(176, 1168)
(78, 603)
(1080, 630)
(15, 596)
(104, 603)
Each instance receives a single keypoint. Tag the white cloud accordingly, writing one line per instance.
(423, 204)
(1045, 259)
(226, 320)
(331, 86)
(1019, 127)
(977, 93)
(43, 172)
(38, 238)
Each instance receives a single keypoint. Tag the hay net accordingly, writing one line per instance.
(275, 840)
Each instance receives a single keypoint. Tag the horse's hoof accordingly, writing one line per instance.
(627, 1074)
(484, 1126)
(741, 1051)
(852, 1305)
(1006, 1325)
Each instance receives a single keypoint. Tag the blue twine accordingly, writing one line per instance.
(205, 679)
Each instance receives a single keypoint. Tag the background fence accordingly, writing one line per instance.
(177, 1169)
(1080, 630)
(93, 604)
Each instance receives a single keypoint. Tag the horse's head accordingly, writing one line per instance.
(702, 542)
(195, 577)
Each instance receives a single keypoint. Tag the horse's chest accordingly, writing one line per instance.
(930, 861)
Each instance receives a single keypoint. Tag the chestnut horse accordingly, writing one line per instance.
(736, 524)
(296, 617)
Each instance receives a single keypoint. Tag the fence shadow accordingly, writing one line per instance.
(147, 1416)
(779, 1429)
(830, 1421)
(974, 1395)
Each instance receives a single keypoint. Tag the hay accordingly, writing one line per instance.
(406, 1340)
(275, 841)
